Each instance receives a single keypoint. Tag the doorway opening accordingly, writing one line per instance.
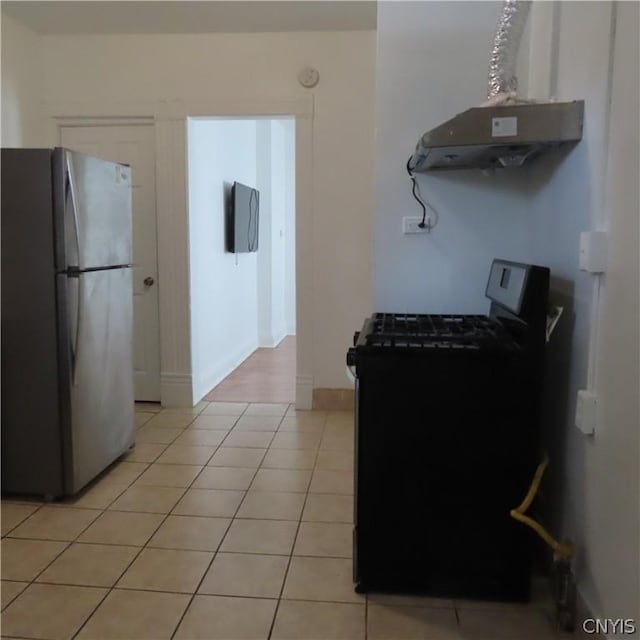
(243, 305)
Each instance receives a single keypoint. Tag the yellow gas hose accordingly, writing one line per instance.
(561, 548)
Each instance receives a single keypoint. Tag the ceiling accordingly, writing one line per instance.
(187, 16)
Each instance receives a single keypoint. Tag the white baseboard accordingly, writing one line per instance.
(176, 390)
(304, 391)
(279, 338)
(271, 340)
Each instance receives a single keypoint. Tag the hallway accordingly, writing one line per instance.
(267, 375)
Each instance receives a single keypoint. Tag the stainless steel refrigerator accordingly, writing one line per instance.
(67, 319)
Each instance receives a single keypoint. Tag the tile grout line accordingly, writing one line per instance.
(69, 542)
(295, 539)
(136, 556)
(203, 467)
(208, 568)
(141, 549)
(133, 482)
(23, 520)
(215, 553)
(69, 545)
(32, 581)
(75, 540)
(217, 595)
(6, 604)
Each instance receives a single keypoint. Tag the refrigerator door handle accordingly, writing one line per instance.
(74, 208)
(75, 300)
(76, 344)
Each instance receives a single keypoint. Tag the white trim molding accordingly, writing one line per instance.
(222, 108)
(305, 290)
(173, 248)
(176, 390)
(304, 391)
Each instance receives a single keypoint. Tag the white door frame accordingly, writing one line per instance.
(170, 125)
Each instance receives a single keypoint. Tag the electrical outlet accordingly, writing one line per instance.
(586, 408)
(593, 251)
(410, 225)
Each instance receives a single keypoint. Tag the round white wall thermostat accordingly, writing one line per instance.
(309, 77)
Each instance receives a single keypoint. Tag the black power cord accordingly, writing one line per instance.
(422, 224)
(415, 191)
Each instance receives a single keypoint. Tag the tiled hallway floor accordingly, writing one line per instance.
(267, 375)
(230, 522)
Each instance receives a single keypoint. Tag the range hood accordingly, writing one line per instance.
(505, 131)
(508, 135)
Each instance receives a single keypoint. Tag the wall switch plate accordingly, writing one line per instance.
(410, 225)
(586, 408)
(593, 251)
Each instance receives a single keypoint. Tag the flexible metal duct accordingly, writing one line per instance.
(502, 76)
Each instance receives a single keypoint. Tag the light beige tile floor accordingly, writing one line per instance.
(229, 520)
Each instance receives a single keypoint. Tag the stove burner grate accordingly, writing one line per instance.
(471, 332)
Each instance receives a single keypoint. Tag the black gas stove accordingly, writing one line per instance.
(436, 332)
(447, 413)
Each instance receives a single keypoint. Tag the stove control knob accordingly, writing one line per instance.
(351, 357)
(356, 335)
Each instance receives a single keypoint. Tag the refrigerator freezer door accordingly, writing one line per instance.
(100, 379)
(95, 211)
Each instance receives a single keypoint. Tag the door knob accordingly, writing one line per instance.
(148, 281)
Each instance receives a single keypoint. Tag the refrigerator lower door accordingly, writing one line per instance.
(100, 373)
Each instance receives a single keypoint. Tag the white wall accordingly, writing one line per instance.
(21, 85)
(276, 157)
(278, 229)
(432, 63)
(614, 476)
(115, 72)
(265, 254)
(224, 288)
(289, 174)
(594, 187)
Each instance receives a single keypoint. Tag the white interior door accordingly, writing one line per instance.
(134, 145)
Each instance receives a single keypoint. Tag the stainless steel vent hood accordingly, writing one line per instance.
(505, 131)
(499, 136)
